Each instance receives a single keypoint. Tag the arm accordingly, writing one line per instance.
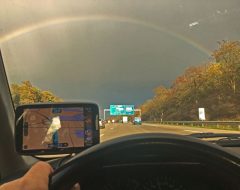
(37, 178)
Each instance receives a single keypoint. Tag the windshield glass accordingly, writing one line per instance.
(149, 65)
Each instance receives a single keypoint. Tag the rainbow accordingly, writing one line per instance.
(113, 18)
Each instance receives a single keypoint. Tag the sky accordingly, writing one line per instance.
(111, 51)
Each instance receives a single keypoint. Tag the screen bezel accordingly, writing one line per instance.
(19, 128)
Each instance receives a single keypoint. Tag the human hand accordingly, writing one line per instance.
(37, 178)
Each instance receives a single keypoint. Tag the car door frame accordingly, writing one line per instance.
(10, 161)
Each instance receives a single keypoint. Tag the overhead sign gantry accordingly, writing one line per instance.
(121, 110)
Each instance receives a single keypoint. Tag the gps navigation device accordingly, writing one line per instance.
(56, 128)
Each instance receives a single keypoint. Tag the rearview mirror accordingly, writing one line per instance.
(56, 128)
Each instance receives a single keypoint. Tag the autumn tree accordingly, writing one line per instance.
(26, 93)
(228, 55)
(214, 86)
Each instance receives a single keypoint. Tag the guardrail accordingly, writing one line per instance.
(233, 124)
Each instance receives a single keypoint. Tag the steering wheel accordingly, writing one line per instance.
(143, 148)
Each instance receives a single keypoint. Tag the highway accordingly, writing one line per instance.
(118, 129)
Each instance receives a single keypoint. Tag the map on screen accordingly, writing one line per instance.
(47, 128)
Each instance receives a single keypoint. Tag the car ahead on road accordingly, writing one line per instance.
(102, 124)
(137, 121)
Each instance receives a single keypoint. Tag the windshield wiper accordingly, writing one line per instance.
(225, 139)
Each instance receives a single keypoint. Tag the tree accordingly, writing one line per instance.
(228, 54)
(26, 93)
(214, 86)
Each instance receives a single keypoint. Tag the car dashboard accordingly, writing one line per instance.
(156, 169)
(159, 176)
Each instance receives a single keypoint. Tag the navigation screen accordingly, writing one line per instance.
(49, 128)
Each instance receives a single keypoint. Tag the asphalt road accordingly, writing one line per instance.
(117, 129)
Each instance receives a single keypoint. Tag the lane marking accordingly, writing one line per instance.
(193, 131)
(101, 135)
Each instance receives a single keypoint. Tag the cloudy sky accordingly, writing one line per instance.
(111, 51)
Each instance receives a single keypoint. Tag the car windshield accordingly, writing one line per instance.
(170, 66)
